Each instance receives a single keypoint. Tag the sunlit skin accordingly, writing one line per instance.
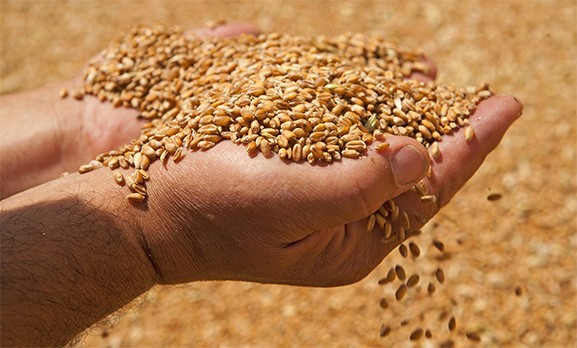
(74, 249)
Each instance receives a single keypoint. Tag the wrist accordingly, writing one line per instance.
(68, 244)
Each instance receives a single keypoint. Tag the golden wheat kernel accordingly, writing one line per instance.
(403, 250)
(179, 155)
(119, 178)
(452, 323)
(350, 153)
(395, 212)
(400, 272)
(136, 186)
(428, 199)
(494, 197)
(135, 197)
(439, 245)
(469, 133)
(77, 95)
(384, 330)
(416, 334)
(435, 152)
(473, 336)
(145, 162)
(431, 288)
(63, 93)
(383, 303)
(371, 222)
(383, 281)
(137, 177)
(265, 148)
(405, 220)
(144, 174)
(85, 168)
(357, 145)
(251, 147)
(440, 275)
(382, 147)
(380, 219)
(388, 229)
(414, 248)
(123, 162)
(391, 275)
(420, 188)
(413, 281)
(400, 293)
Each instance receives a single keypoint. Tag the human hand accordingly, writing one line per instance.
(62, 134)
(222, 215)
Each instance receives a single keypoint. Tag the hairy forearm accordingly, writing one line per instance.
(69, 258)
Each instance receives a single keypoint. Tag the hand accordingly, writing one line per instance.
(216, 215)
(223, 215)
(62, 134)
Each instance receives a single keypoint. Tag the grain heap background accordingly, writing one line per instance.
(527, 239)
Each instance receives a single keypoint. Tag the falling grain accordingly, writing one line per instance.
(416, 335)
(473, 336)
(439, 245)
(469, 133)
(400, 272)
(403, 250)
(135, 197)
(452, 324)
(440, 275)
(494, 197)
(413, 281)
(401, 291)
(119, 178)
(414, 248)
(385, 330)
(428, 199)
(370, 222)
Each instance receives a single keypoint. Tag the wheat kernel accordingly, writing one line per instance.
(135, 197)
(403, 250)
(452, 324)
(439, 245)
(401, 291)
(371, 222)
(385, 330)
(414, 248)
(440, 275)
(429, 199)
(400, 272)
(416, 335)
(469, 133)
(413, 281)
(473, 337)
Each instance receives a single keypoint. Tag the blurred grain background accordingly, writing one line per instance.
(528, 239)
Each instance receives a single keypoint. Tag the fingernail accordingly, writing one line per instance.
(409, 166)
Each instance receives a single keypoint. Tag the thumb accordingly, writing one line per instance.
(344, 192)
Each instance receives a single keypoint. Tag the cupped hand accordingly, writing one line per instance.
(222, 215)
(99, 126)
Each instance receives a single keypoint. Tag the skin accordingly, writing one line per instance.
(74, 250)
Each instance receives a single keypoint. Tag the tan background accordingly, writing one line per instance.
(527, 239)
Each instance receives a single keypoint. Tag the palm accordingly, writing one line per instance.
(266, 220)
